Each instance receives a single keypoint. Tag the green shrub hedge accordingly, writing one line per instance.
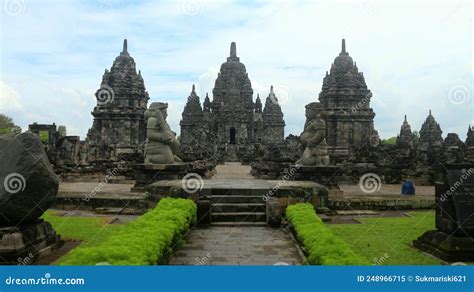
(144, 241)
(324, 248)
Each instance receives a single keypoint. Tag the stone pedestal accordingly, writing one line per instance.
(274, 212)
(453, 239)
(324, 175)
(269, 169)
(147, 174)
(24, 244)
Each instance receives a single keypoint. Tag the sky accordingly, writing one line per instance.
(415, 55)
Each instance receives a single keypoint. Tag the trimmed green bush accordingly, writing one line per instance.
(324, 248)
(144, 241)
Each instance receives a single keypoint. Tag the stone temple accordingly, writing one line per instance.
(344, 103)
(119, 126)
(231, 125)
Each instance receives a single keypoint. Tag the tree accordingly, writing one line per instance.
(62, 131)
(390, 141)
(7, 126)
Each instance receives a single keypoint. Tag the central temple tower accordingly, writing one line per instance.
(232, 103)
(231, 124)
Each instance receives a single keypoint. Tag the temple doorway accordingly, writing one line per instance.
(232, 136)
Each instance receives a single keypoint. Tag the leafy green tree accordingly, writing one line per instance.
(390, 141)
(7, 126)
(62, 131)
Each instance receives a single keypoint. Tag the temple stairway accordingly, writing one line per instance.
(236, 198)
(232, 153)
(238, 204)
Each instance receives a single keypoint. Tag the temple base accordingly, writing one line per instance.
(24, 244)
(446, 246)
(324, 175)
(148, 174)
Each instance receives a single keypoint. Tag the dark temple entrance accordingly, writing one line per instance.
(232, 136)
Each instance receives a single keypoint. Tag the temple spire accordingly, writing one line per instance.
(343, 46)
(405, 119)
(430, 113)
(271, 89)
(124, 46)
(233, 50)
(193, 90)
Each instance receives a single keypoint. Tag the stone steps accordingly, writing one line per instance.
(238, 207)
(235, 192)
(238, 217)
(231, 199)
(239, 224)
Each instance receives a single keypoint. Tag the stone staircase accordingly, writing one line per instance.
(231, 152)
(237, 210)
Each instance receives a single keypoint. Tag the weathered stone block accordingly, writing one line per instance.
(27, 241)
(28, 183)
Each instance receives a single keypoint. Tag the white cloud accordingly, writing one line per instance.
(10, 99)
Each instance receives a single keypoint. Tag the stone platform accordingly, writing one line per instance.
(253, 187)
(94, 196)
(351, 197)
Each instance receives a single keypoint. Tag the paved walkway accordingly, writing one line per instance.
(233, 170)
(238, 246)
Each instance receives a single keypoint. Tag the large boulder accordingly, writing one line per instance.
(28, 184)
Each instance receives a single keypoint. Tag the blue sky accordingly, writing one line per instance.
(415, 55)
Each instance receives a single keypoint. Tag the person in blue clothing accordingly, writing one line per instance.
(408, 187)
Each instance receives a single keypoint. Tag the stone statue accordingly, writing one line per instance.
(314, 139)
(161, 146)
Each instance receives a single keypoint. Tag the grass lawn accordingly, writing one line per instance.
(387, 241)
(90, 230)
